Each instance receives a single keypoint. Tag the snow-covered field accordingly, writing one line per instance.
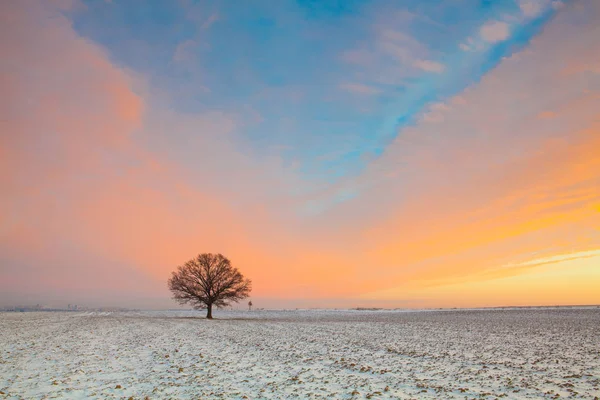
(531, 353)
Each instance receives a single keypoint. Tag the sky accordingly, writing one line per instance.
(410, 154)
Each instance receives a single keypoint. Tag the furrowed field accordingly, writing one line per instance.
(502, 353)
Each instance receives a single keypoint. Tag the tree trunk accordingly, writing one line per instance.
(209, 311)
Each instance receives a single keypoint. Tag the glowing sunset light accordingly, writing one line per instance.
(371, 153)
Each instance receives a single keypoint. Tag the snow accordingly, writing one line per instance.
(510, 353)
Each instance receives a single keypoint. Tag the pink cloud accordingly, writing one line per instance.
(430, 66)
(359, 88)
(495, 31)
(531, 8)
(495, 182)
(90, 172)
(102, 183)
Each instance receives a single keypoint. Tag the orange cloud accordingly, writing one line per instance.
(495, 183)
(107, 192)
(80, 182)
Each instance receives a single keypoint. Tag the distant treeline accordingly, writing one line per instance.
(45, 309)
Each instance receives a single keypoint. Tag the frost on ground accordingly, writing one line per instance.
(526, 353)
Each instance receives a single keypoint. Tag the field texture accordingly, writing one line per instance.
(513, 354)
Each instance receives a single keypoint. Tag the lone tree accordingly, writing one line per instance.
(249, 306)
(207, 280)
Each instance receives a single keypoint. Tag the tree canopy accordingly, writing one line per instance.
(208, 280)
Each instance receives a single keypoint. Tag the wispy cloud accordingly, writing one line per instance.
(392, 55)
(430, 66)
(495, 31)
(185, 51)
(533, 8)
(210, 21)
(359, 88)
(493, 183)
(555, 259)
(105, 177)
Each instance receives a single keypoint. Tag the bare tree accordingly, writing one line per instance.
(208, 280)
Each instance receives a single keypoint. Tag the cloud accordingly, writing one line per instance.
(392, 55)
(495, 31)
(94, 168)
(430, 66)
(108, 188)
(532, 8)
(555, 259)
(435, 113)
(67, 115)
(546, 115)
(185, 51)
(359, 88)
(468, 46)
(495, 182)
(210, 21)
(550, 284)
